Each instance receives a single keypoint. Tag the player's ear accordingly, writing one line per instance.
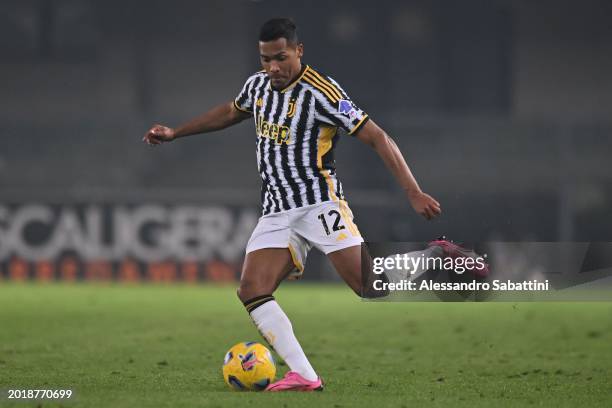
(300, 50)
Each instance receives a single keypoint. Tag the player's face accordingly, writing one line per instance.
(281, 60)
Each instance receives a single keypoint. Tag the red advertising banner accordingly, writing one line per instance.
(117, 242)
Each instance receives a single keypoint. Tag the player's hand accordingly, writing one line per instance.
(425, 204)
(159, 134)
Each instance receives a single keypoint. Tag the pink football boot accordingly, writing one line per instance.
(455, 251)
(295, 382)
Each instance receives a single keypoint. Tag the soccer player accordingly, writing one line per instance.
(299, 114)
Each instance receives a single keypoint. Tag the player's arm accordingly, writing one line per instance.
(217, 118)
(372, 135)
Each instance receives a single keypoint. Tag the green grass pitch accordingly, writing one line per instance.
(163, 346)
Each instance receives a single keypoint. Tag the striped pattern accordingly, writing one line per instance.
(296, 136)
(254, 303)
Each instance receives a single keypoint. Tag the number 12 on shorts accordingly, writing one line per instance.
(336, 227)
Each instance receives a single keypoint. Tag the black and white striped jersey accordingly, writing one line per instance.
(297, 131)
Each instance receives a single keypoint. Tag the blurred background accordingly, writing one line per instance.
(502, 108)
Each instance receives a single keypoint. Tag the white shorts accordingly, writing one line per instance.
(328, 226)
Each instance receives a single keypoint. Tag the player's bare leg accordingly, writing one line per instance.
(350, 262)
(262, 272)
(347, 263)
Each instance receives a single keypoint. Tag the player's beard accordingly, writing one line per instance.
(279, 82)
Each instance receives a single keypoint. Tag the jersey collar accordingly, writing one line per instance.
(293, 83)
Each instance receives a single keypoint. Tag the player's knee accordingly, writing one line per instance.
(361, 288)
(361, 294)
(365, 285)
(368, 292)
(368, 289)
(356, 289)
(239, 294)
(371, 293)
(243, 292)
(248, 289)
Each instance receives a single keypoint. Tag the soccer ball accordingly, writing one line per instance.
(248, 366)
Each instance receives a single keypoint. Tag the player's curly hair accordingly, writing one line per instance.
(276, 28)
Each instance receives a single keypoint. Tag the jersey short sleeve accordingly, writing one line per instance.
(336, 108)
(244, 100)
